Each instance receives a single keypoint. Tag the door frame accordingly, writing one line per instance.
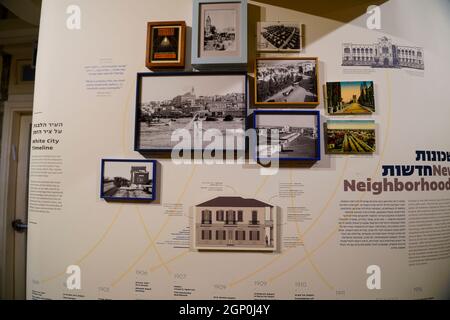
(14, 108)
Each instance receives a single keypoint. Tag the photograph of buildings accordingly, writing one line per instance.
(188, 101)
(128, 180)
(279, 36)
(383, 54)
(235, 223)
(350, 137)
(356, 97)
(289, 135)
(220, 27)
(286, 81)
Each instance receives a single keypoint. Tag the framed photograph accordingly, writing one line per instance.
(166, 44)
(279, 36)
(350, 98)
(128, 180)
(350, 137)
(287, 135)
(195, 104)
(219, 33)
(287, 81)
(235, 223)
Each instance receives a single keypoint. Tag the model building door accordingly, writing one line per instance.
(230, 237)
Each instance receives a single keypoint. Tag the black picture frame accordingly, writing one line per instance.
(138, 112)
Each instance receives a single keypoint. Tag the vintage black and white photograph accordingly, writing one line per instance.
(287, 135)
(195, 102)
(220, 29)
(128, 179)
(292, 81)
(279, 36)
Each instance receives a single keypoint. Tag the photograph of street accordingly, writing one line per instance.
(219, 28)
(124, 180)
(189, 102)
(356, 97)
(350, 137)
(287, 135)
(279, 36)
(286, 81)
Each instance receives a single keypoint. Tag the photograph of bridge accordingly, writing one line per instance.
(287, 135)
(352, 97)
(350, 137)
(189, 103)
(279, 36)
(128, 180)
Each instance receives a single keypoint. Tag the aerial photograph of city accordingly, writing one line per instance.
(220, 28)
(290, 81)
(124, 180)
(189, 102)
(356, 97)
(350, 137)
(279, 36)
(287, 135)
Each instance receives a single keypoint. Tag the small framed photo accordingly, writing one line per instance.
(287, 81)
(189, 107)
(350, 137)
(279, 36)
(166, 44)
(287, 135)
(350, 98)
(219, 33)
(128, 180)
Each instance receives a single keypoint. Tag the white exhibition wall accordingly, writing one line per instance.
(143, 251)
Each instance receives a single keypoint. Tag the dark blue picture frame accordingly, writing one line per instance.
(142, 75)
(154, 178)
(293, 112)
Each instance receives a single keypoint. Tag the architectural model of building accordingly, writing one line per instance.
(383, 54)
(235, 223)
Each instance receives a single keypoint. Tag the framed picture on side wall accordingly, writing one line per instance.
(286, 81)
(128, 180)
(219, 34)
(166, 44)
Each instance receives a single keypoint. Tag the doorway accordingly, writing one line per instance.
(14, 177)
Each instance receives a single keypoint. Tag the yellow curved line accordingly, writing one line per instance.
(261, 185)
(302, 238)
(92, 249)
(336, 229)
(178, 256)
(158, 254)
(269, 263)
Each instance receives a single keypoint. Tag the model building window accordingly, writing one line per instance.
(219, 215)
(206, 217)
(254, 235)
(254, 217)
(206, 235)
(240, 216)
(221, 235)
(231, 217)
(240, 235)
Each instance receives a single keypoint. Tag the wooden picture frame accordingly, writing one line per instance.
(174, 42)
(302, 85)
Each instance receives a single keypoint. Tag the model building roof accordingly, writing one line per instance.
(233, 202)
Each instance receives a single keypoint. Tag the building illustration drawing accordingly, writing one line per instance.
(383, 54)
(235, 223)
